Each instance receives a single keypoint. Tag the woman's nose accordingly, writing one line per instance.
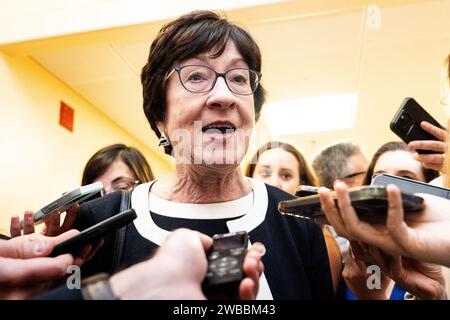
(275, 181)
(221, 96)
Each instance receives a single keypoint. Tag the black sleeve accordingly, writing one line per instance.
(309, 244)
(91, 213)
(320, 272)
(61, 293)
(97, 210)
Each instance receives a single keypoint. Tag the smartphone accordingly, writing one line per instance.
(225, 262)
(68, 199)
(406, 123)
(75, 244)
(370, 203)
(304, 191)
(409, 185)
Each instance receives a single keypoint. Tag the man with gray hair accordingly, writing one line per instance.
(344, 161)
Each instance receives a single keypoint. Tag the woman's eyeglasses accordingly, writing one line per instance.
(200, 79)
(121, 183)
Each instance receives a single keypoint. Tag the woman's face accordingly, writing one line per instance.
(118, 176)
(214, 127)
(278, 168)
(399, 163)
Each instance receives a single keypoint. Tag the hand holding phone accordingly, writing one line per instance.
(435, 158)
(225, 261)
(90, 235)
(407, 124)
(370, 203)
(67, 200)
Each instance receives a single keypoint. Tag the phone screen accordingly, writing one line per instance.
(230, 241)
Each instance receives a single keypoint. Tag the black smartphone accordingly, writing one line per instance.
(225, 262)
(88, 236)
(406, 123)
(370, 203)
(304, 191)
(409, 185)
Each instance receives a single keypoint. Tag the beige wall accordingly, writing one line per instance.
(40, 159)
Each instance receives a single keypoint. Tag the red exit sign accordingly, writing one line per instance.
(66, 116)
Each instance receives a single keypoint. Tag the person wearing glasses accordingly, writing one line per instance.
(202, 96)
(118, 167)
(342, 161)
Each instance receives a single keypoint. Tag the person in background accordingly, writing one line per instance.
(345, 162)
(282, 165)
(396, 159)
(342, 161)
(118, 167)
(408, 247)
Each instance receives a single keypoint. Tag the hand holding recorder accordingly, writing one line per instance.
(181, 263)
(225, 265)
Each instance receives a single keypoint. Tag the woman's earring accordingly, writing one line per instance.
(163, 141)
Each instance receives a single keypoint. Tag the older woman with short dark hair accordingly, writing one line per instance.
(202, 96)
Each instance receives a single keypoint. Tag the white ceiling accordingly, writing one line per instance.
(307, 51)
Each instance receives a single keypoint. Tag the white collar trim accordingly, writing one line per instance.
(220, 210)
(148, 229)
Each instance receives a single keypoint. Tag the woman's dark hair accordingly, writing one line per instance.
(429, 174)
(186, 37)
(103, 158)
(306, 173)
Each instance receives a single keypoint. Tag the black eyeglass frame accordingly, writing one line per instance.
(218, 74)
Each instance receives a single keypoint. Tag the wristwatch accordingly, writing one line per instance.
(97, 287)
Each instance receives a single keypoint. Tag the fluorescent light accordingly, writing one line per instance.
(312, 114)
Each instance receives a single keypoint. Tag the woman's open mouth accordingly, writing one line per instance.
(219, 130)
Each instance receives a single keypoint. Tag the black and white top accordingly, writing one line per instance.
(296, 261)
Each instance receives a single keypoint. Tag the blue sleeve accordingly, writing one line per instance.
(61, 293)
